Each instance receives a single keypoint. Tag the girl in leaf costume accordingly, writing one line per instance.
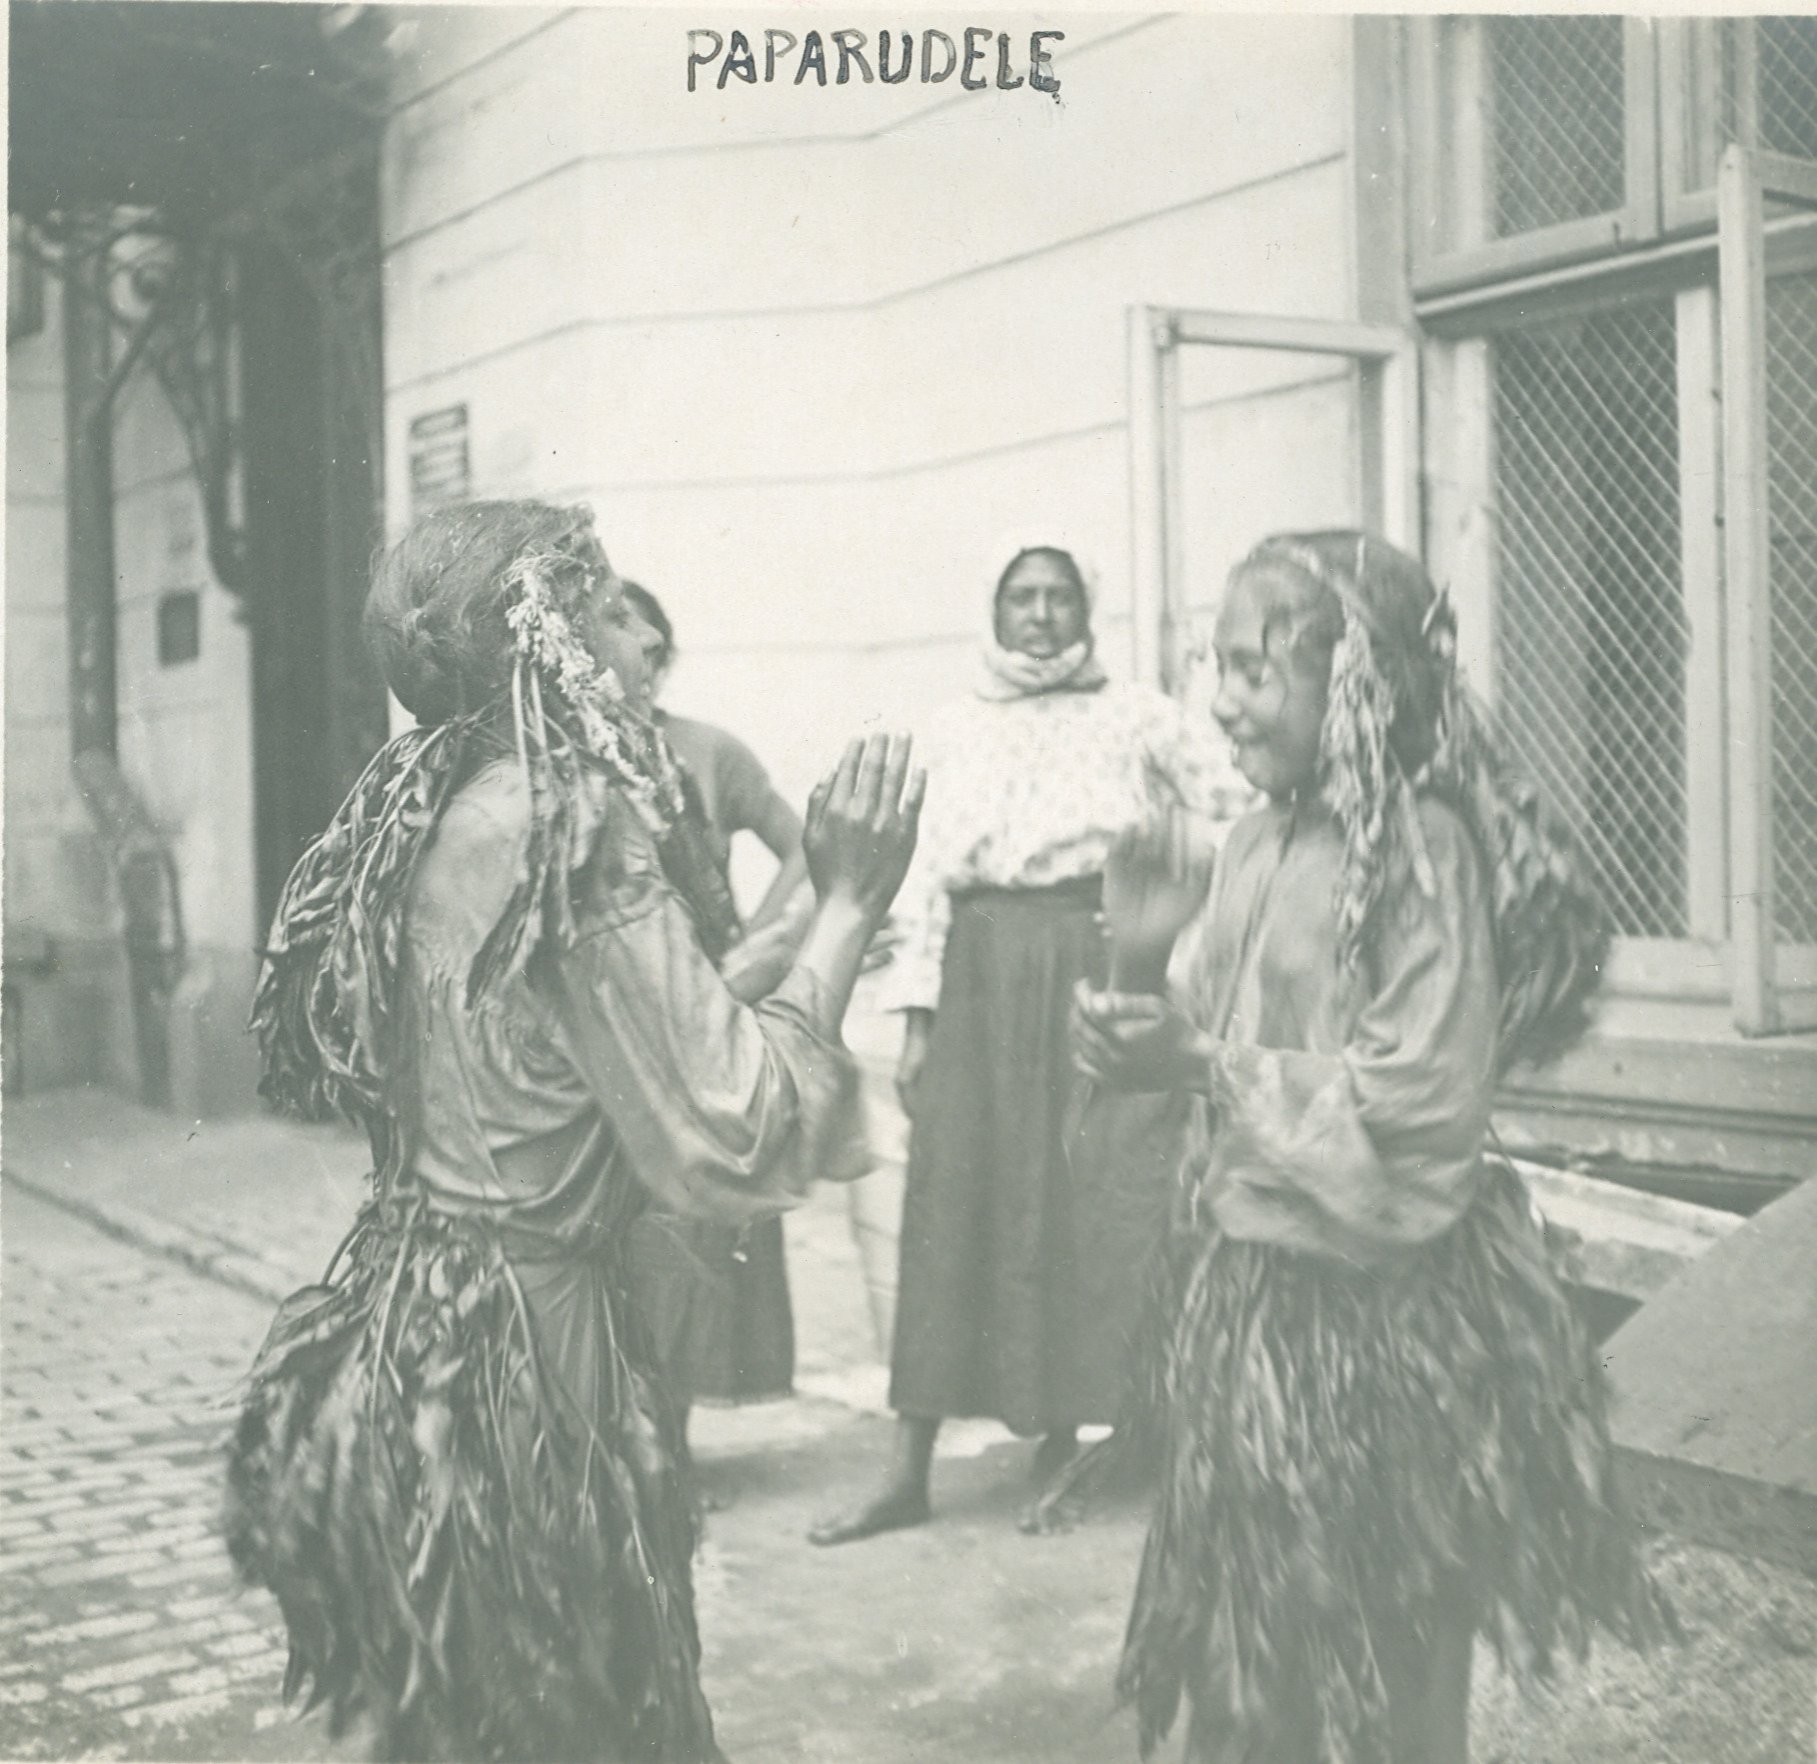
(455, 1465)
(1383, 1426)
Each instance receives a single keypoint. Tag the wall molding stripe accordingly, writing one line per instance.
(878, 302)
(947, 462)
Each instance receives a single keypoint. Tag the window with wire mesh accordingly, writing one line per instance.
(1791, 351)
(1769, 86)
(1589, 604)
(1556, 149)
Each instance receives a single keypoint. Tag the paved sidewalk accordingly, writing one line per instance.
(142, 1255)
(260, 1204)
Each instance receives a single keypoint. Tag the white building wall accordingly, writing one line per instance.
(813, 353)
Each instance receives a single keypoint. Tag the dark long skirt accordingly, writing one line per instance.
(716, 1301)
(458, 1475)
(1028, 1221)
(1349, 1460)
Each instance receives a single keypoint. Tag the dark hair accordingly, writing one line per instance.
(435, 617)
(649, 609)
(1058, 553)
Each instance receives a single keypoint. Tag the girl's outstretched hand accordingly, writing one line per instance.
(1136, 1041)
(862, 823)
(1155, 880)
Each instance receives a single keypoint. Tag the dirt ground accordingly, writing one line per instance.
(1740, 1689)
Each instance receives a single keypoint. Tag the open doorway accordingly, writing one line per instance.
(310, 406)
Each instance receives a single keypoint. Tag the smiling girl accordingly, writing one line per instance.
(1383, 1423)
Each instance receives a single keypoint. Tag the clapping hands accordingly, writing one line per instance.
(861, 824)
(1155, 880)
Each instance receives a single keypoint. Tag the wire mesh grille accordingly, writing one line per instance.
(1791, 374)
(1590, 624)
(1557, 102)
(1776, 105)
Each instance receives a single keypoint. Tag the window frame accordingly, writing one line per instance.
(1437, 268)
(1388, 447)
(1462, 480)
(1775, 980)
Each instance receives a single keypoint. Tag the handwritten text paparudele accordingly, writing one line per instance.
(983, 59)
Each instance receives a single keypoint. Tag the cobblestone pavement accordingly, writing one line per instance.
(122, 1633)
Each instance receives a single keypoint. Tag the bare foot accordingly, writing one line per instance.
(1062, 1503)
(1052, 1456)
(1052, 1512)
(896, 1509)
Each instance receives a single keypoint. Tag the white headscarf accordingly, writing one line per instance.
(1009, 674)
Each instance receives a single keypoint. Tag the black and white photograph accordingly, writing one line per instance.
(885, 887)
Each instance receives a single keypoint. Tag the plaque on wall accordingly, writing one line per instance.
(179, 627)
(440, 470)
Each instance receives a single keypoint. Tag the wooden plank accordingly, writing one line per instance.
(1699, 462)
(1173, 519)
(1460, 512)
(1402, 478)
(1638, 218)
(1730, 1077)
(1147, 341)
(1306, 336)
(1628, 1242)
(1785, 179)
(1748, 559)
(1715, 1413)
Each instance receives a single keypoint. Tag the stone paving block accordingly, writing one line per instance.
(185, 1574)
(203, 1679)
(26, 1561)
(101, 1568)
(12, 1695)
(239, 1647)
(177, 1711)
(202, 1632)
(87, 1519)
(124, 1671)
(96, 1628)
(203, 1605)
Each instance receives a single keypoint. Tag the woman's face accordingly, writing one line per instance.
(1040, 607)
(619, 637)
(1271, 691)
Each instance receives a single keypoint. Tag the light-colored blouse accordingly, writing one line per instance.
(1347, 1112)
(621, 1058)
(1031, 792)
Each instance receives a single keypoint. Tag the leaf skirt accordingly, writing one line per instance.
(466, 1491)
(1341, 1452)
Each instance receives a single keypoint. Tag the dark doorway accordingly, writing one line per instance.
(310, 401)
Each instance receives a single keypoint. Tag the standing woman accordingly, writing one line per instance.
(1384, 1425)
(455, 1466)
(1023, 1244)
(716, 1295)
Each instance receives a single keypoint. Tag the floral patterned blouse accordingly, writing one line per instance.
(1031, 792)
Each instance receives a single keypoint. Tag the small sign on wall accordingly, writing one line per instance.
(440, 469)
(179, 627)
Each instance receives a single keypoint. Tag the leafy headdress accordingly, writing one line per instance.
(1401, 722)
(474, 619)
